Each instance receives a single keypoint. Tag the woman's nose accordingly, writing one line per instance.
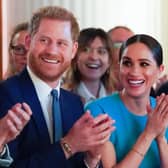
(135, 69)
(93, 53)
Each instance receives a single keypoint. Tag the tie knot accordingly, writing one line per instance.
(54, 93)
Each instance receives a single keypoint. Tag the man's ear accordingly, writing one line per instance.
(27, 41)
(74, 50)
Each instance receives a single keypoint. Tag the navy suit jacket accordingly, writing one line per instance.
(32, 148)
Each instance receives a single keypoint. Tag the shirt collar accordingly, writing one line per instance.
(42, 88)
(87, 95)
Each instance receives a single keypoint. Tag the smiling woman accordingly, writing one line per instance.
(140, 119)
(89, 75)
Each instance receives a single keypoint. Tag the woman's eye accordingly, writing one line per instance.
(144, 64)
(127, 63)
(86, 49)
(102, 51)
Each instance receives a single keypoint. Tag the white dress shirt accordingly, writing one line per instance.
(83, 91)
(43, 91)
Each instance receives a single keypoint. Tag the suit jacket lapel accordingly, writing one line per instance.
(30, 97)
(71, 110)
(67, 115)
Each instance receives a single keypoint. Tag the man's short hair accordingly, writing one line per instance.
(54, 12)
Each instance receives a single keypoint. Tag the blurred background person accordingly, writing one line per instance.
(89, 75)
(118, 35)
(163, 88)
(17, 50)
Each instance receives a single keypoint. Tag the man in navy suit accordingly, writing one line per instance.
(52, 45)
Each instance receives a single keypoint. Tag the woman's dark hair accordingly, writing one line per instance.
(147, 40)
(87, 36)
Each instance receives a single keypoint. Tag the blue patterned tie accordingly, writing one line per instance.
(57, 122)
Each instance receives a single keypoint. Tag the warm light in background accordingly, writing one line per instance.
(145, 16)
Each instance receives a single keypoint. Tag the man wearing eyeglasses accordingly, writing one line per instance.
(118, 35)
(17, 50)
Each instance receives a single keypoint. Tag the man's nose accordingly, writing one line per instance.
(52, 49)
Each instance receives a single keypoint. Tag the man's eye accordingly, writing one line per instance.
(43, 40)
(19, 49)
(60, 43)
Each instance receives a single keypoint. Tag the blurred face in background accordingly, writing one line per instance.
(18, 52)
(118, 36)
(93, 60)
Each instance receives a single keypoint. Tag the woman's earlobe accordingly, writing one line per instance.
(162, 68)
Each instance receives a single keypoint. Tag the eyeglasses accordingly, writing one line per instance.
(117, 44)
(19, 50)
(99, 50)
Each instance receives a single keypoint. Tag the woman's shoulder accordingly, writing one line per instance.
(104, 104)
